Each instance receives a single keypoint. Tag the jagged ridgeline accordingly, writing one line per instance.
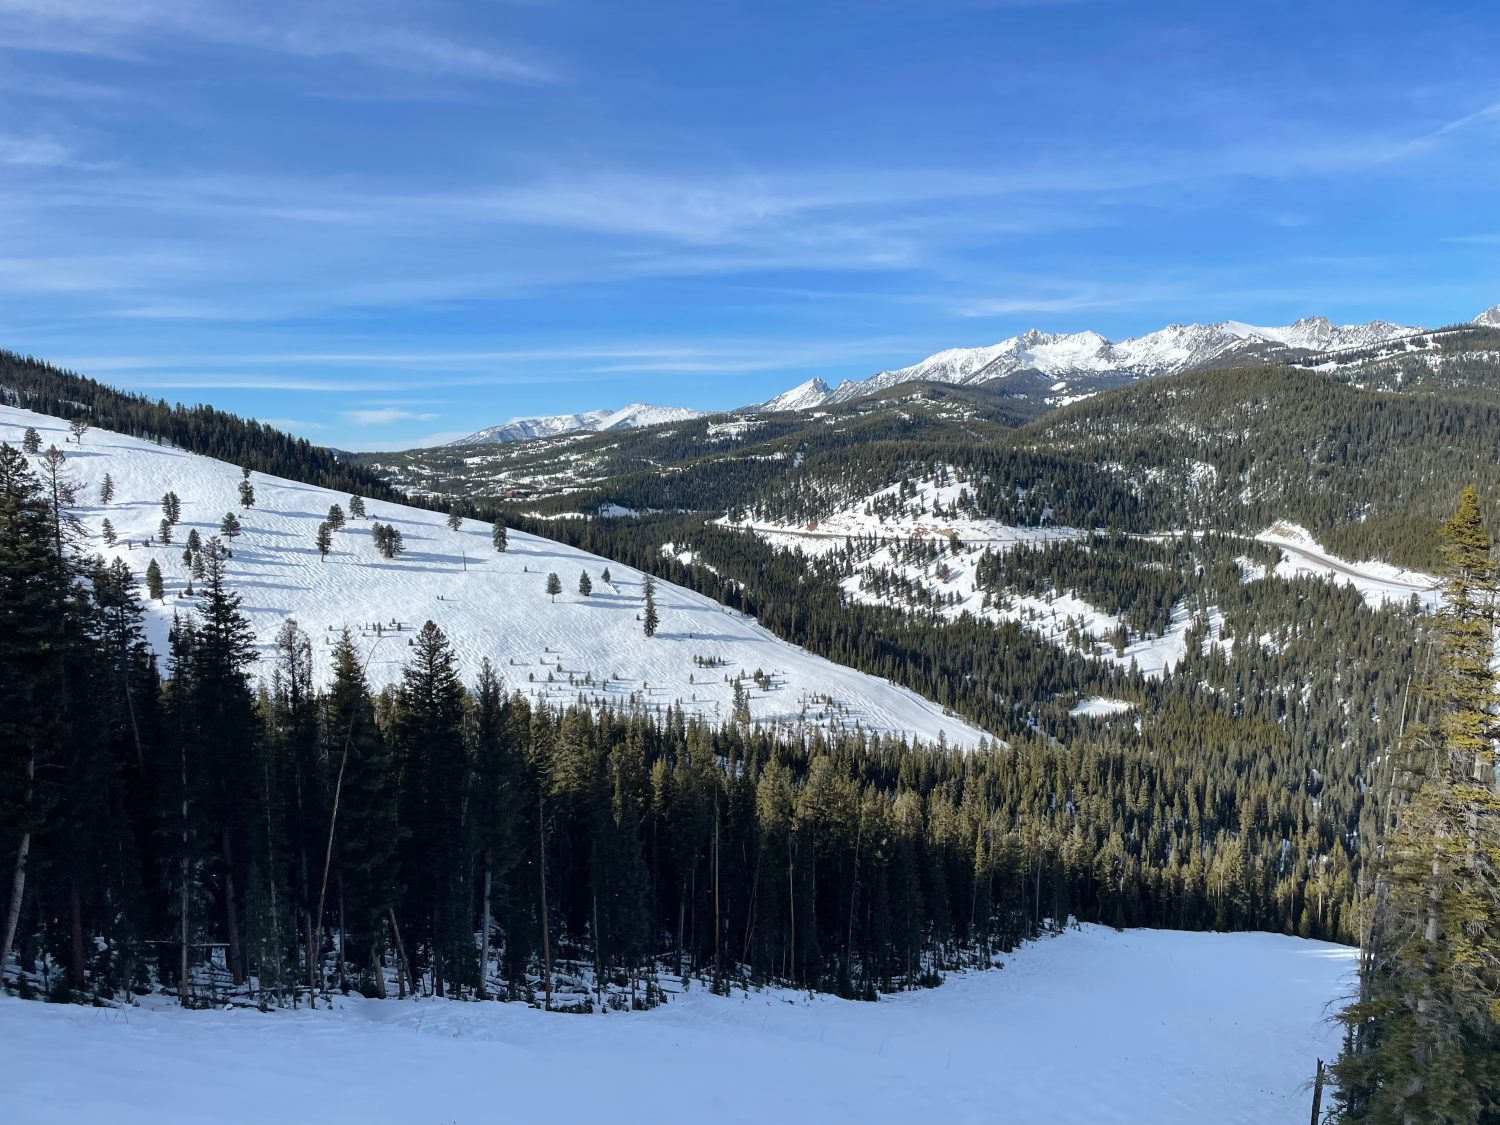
(1367, 450)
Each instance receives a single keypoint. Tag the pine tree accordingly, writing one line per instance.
(335, 517)
(62, 494)
(194, 541)
(31, 441)
(164, 531)
(357, 507)
(247, 494)
(554, 586)
(34, 579)
(1425, 1033)
(107, 532)
(387, 539)
(497, 537)
(229, 526)
(367, 826)
(585, 587)
(153, 582)
(78, 427)
(434, 767)
(650, 621)
(107, 489)
(323, 540)
(171, 507)
(455, 517)
(605, 578)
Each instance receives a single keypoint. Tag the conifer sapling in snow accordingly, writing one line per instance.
(107, 530)
(605, 578)
(324, 540)
(357, 507)
(455, 518)
(247, 493)
(153, 581)
(165, 531)
(31, 441)
(651, 620)
(585, 587)
(497, 537)
(335, 517)
(554, 586)
(106, 489)
(229, 526)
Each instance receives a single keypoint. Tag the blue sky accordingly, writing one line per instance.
(379, 222)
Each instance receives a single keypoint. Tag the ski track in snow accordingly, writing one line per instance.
(1092, 1026)
(492, 605)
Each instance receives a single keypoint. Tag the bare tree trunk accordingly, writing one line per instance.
(232, 915)
(182, 904)
(718, 925)
(791, 898)
(18, 877)
(541, 833)
(405, 965)
(485, 925)
(75, 925)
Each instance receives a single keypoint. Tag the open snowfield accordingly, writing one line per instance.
(1145, 1026)
(586, 649)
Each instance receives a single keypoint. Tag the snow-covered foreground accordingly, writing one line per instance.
(587, 649)
(1091, 1026)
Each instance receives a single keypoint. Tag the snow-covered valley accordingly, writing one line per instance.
(491, 605)
(1091, 1026)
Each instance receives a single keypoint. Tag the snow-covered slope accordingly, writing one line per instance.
(588, 649)
(1061, 356)
(1490, 318)
(1092, 1026)
(803, 396)
(1378, 582)
(879, 525)
(626, 418)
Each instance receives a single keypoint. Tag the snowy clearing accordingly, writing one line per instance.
(585, 649)
(1100, 708)
(1090, 1026)
(1377, 582)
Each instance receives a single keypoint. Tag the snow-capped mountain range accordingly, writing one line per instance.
(1070, 365)
(1061, 356)
(593, 421)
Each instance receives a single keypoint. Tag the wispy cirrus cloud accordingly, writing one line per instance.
(133, 29)
(385, 416)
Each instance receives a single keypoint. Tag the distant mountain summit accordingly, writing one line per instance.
(593, 421)
(1080, 363)
(814, 392)
(1490, 318)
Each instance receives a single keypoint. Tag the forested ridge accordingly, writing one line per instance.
(39, 386)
